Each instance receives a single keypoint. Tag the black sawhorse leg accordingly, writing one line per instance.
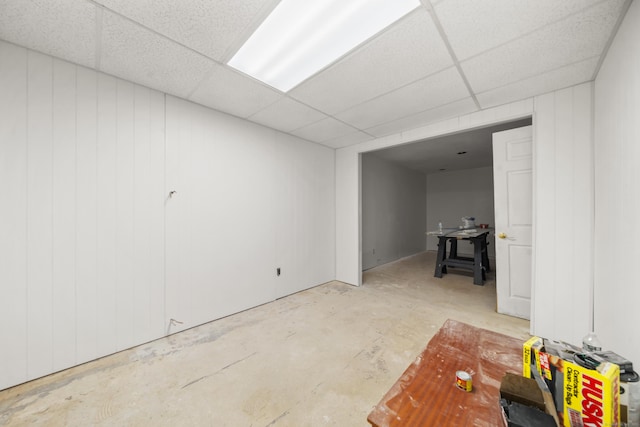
(442, 253)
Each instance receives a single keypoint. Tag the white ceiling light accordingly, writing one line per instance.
(301, 37)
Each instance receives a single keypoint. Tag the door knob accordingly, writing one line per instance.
(171, 193)
(502, 235)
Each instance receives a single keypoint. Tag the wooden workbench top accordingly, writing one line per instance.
(426, 395)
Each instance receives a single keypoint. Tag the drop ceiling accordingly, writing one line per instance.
(444, 59)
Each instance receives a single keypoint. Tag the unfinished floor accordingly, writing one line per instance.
(322, 357)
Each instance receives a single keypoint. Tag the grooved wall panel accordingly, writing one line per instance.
(13, 215)
(220, 220)
(86, 215)
(563, 218)
(64, 250)
(305, 210)
(125, 205)
(95, 257)
(617, 148)
(106, 242)
(149, 197)
(81, 257)
(40, 213)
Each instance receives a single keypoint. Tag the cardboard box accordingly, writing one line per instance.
(583, 397)
(523, 404)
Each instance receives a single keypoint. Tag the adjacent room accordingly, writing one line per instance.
(410, 188)
(238, 213)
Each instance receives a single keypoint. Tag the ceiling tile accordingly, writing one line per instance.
(441, 88)
(473, 27)
(141, 56)
(397, 83)
(347, 140)
(406, 52)
(557, 79)
(207, 26)
(287, 115)
(571, 40)
(227, 90)
(62, 28)
(456, 108)
(324, 130)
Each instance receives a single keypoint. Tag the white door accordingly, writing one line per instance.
(512, 177)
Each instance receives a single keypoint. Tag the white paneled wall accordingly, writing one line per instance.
(81, 256)
(617, 140)
(14, 247)
(220, 233)
(247, 200)
(563, 213)
(95, 257)
(394, 209)
(305, 211)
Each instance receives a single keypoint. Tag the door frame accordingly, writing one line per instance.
(532, 116)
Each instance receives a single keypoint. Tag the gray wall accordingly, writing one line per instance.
(393, 211)
(453, 195)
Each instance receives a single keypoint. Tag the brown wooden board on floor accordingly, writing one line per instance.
(426, 394)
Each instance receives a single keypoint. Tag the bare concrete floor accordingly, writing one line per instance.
(322, 357)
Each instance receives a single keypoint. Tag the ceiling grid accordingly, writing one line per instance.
(397, 80)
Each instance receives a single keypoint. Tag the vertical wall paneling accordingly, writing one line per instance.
(221, 217)
(563, 232)
(106, 310)
(287, 219)
(148, 215)
(13, 215)
(142, 201)
(348, 218)
(86, 215)
(95, 257)
(617, 148)
(158, 197)
(64, 214)
(544, 178)
(40, 213)
(125, 207)
(304, 212)
(582, 220)
(177, 299)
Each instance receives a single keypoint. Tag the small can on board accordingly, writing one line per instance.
(463, 380)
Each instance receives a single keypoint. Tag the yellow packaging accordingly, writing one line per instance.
(531, 355)
(592, 397)
(583, 397)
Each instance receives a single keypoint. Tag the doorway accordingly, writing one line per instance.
(456, 172)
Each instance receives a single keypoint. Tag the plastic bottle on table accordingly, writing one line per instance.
(591, 343)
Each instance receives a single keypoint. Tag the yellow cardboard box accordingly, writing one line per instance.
(583, 397)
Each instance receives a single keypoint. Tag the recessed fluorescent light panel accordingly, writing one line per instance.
(301, 37)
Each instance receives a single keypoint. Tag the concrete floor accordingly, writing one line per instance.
(322, 357)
